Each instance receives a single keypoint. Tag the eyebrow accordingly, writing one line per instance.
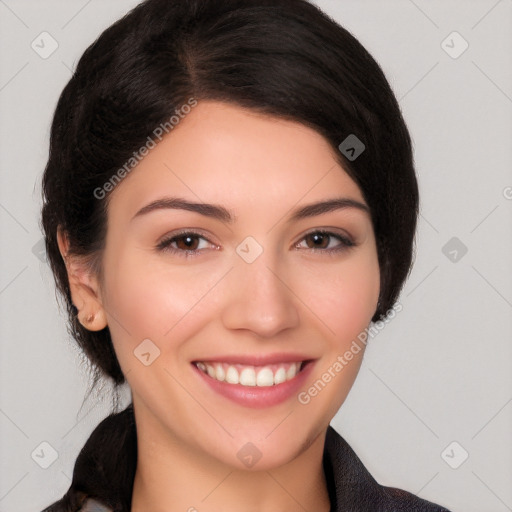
(223, 214)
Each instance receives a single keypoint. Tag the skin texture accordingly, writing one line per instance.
(293, 298)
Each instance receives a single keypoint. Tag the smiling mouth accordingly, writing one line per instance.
(251, 376)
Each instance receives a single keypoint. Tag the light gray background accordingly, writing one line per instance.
(438, 373)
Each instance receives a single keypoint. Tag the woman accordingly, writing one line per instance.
(230, 200)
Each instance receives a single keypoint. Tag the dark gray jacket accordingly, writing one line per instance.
(105, 469)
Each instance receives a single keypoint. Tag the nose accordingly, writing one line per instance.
(259, 299)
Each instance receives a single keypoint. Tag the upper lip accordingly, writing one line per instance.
(256, 360)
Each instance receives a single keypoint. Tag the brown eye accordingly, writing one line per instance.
(323, 241)
(318, 240)
(185, 244)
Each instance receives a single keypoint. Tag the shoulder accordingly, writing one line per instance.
(405, 501)
(86, 505)
(91, 505)
(352, 487)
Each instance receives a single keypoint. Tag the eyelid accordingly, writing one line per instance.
(164, 243)
(345, 244)
(345, 237)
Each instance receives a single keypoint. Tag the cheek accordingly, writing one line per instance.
(149, 299)
(358, 293)
(344, 296)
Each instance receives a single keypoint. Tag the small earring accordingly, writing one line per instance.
(88, 319)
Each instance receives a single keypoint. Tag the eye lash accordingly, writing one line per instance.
(346, 242)
(164, 244)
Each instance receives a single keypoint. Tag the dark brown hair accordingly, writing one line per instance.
(285, 58)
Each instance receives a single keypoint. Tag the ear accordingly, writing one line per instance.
(84, 287)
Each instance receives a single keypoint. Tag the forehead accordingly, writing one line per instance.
(224, 153)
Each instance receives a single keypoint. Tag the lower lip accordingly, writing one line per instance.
(258, 397)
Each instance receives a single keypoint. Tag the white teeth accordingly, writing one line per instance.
(265, 377)
(280, 376)
(231, 375)
(250, 375)
(211, 370)
(219, 372)
(292, 371)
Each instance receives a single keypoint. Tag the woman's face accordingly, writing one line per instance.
(251, 288)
